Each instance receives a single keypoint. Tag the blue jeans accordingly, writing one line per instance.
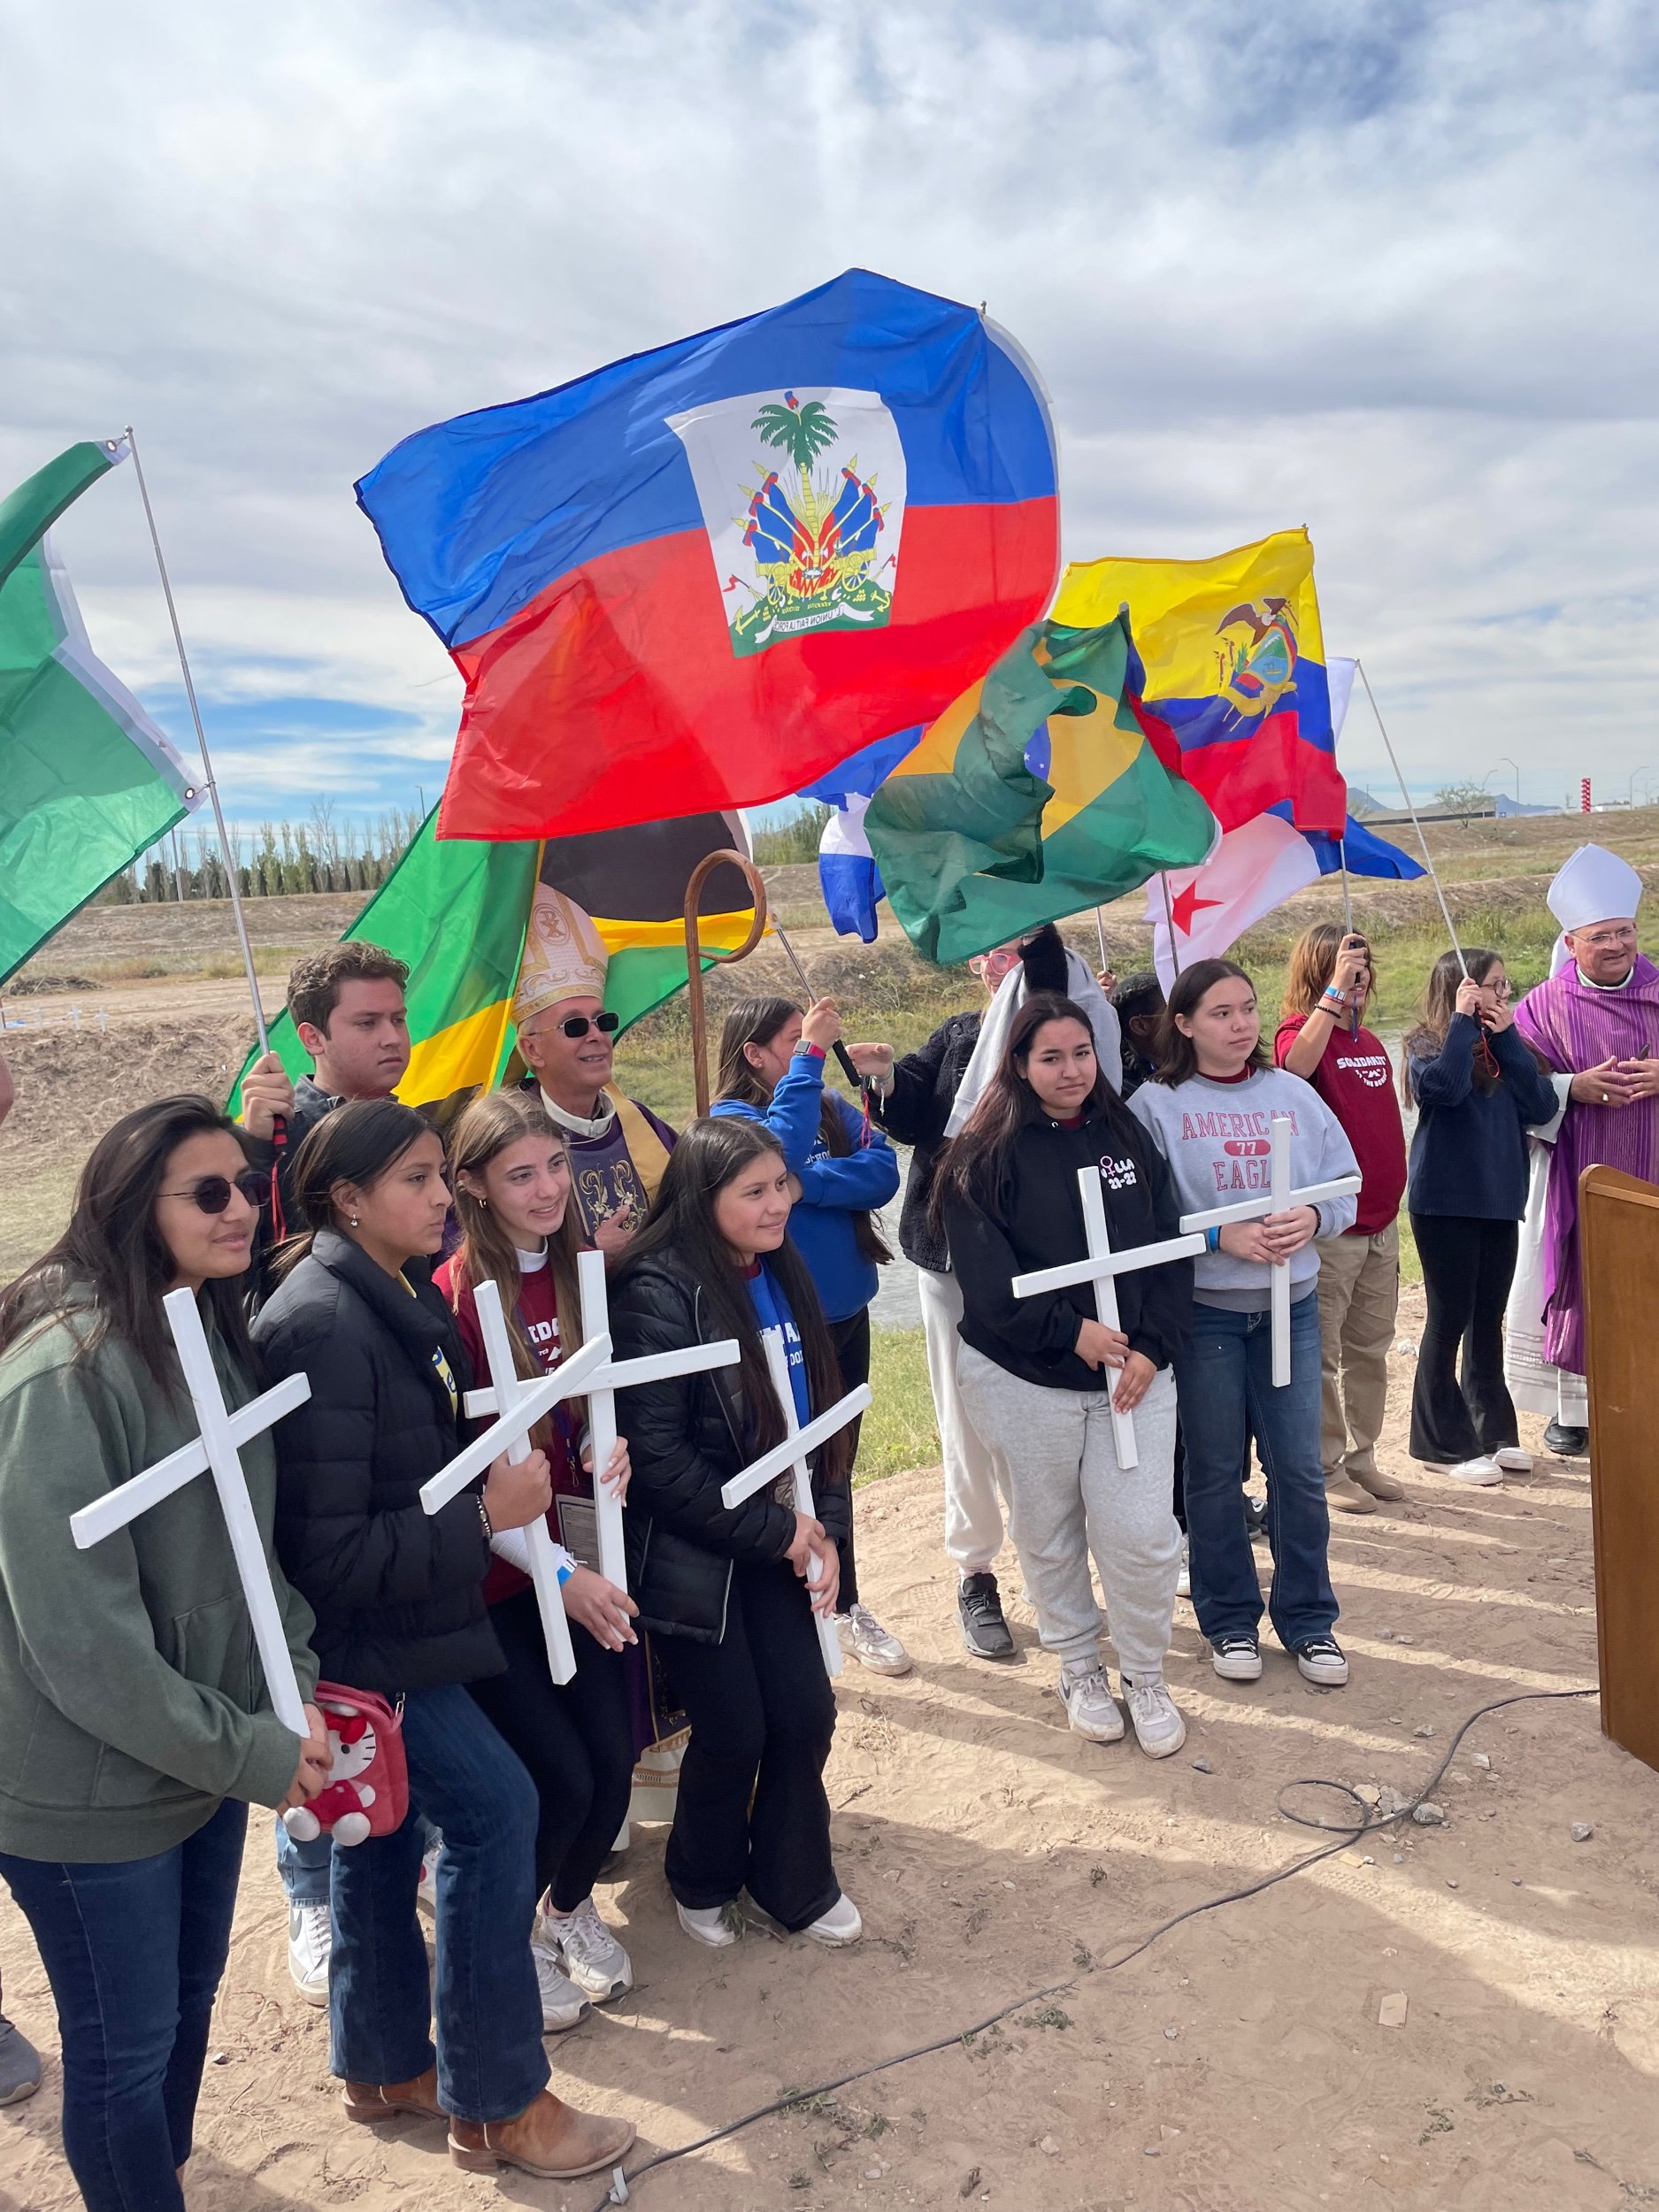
(133, 1950)
(490, 2060)
(304, 1866)
(1226, 1379)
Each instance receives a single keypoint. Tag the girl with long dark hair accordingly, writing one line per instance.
(772, 1071)
(1477, 1090)
(1040, 1375)
(134, 1724)
(1211, 1113)
(399, 1599)
(723, 1590)
(519, 1231)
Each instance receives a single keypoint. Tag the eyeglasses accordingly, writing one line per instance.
(211, 1195)
(578, 1025)
(1604, 939)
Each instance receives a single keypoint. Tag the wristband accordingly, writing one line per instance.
(1212, 1236)
(809, 1052)
(483, 1515)
(1335, 997)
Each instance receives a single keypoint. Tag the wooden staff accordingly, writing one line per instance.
(695, 956)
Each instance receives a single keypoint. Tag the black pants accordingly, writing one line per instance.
(851, 1339)
(1467, 1268)
(575, 1737)
(752, 1811)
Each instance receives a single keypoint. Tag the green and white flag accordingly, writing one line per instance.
(87, 781)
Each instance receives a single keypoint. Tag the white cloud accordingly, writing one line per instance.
(1384, 268)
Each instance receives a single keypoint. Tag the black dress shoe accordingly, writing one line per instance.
(1567, 1443)
(979, 1610)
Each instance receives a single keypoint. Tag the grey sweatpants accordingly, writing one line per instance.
(1057, 1465)
(973, 1512)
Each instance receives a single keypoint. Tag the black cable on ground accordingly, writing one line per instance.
(1345, 1833)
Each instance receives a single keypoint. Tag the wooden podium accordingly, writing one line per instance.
(1620, 1223)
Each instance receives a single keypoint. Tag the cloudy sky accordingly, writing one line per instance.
(1384, 268)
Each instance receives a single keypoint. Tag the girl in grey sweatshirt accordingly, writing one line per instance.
(1210, 1112)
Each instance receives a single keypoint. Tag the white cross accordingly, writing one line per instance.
(1102, 1268)
(1279, 1199)
(790, 1457)
(215, 1450)
(604, 1379)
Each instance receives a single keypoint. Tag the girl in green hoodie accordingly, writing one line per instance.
(135, 1723)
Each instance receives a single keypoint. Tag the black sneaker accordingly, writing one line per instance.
(1236, 1656)
(1322, 1660)
(1567, 1443)
(19, 2065)
(979, 1610)
(1255, 1516)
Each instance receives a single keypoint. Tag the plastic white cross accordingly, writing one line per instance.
(1102, 1268)
(604, 1382)
(1279, 1198)
(790, 1457)
(215, 1451)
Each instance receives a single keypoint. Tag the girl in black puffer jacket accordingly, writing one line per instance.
(401, 1592)
(725, 1590)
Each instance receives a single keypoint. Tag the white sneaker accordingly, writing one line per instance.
(1321, 1659)
(717, 1925)
(563, 2004)
(427, 1890)
(1089, 1704)
(586, 1949)
(310, 1946)
(1236, 1656)
(1184, 1578)
(864, 1638)
(1483, 1471)
(841, 1924)
(1513, 1460)
(1159, 1729)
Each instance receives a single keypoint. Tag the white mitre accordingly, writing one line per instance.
(1595, 885)
(564, 957)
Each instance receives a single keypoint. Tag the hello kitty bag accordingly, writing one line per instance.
(367, 1793)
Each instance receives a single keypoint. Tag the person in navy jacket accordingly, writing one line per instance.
(772, 1071)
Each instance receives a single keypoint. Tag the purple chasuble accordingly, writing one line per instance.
(1576, 1026)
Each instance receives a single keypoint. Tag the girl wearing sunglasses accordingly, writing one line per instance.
(139, 1732)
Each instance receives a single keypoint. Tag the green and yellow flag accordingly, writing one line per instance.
(1034, 795)
(456, 909)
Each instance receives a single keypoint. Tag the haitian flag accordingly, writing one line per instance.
(1237, 698)
(700, 576)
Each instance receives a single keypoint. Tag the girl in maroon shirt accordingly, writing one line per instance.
(511, 1178)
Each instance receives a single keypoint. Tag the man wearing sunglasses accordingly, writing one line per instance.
(347, 1004)
(619, 1148)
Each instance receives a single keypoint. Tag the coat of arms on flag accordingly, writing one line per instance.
(817, 546)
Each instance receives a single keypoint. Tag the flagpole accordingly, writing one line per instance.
(1100, 931)
(1348, 926)
(1428, 860)
(201, 738)
(1168, 917)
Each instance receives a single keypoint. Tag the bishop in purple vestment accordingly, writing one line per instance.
(1597, 1019)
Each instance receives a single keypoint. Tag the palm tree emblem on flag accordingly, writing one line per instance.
(816, 547)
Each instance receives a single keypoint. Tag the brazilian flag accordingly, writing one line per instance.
(1037, 794)
(455, 911)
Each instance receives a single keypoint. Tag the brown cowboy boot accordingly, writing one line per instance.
(381, 2100)
(548, 2138)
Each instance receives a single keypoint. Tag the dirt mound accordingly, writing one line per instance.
(73, 1083)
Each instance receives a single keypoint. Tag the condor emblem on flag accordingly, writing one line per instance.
(701, 577)
(817, 546)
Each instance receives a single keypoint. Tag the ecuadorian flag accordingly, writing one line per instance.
(455, 911)
(1036, 794)
(1237, 696)
(699, 578)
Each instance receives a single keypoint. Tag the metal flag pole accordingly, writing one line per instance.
(1168, 917)
(201, 738)
(1347, 925)
(841, 1053)
(1428, 862)
(1100, 931)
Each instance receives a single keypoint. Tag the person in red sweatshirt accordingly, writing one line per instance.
(1323, 1039)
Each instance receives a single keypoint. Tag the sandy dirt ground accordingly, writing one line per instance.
(1236, 2065)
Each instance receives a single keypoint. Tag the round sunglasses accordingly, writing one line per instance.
(211, 1195)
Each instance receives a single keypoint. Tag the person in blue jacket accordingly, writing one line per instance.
(772, 1071)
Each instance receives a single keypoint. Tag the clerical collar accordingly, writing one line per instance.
(574, 1123)
(530, 1262)
(1589, 986)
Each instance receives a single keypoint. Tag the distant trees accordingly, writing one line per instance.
(277, 860)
